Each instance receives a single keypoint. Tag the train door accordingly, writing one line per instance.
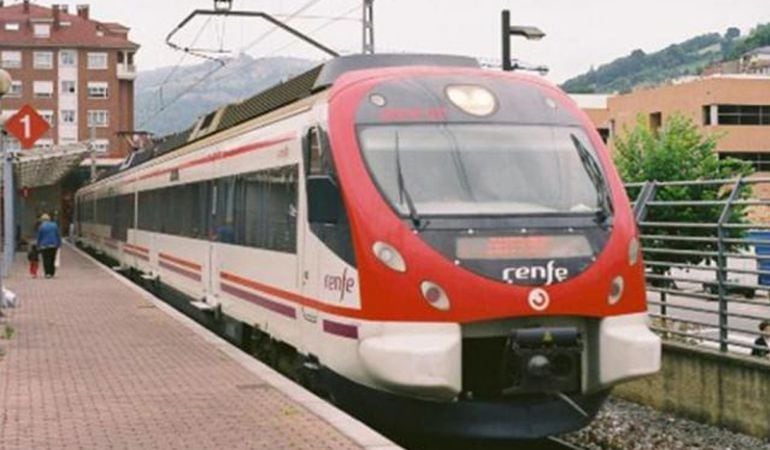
(310, 256)
(211, 258)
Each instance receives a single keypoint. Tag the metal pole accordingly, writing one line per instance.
(722, 264)
(506, 34)
(91, 145)
(368, 28)
(10, 229)
(2, 152)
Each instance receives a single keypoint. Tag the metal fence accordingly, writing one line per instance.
(707, 258)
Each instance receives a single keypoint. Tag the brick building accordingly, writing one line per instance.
(77, 72)
(734, 107)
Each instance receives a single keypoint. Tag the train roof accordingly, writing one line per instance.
(297, 88)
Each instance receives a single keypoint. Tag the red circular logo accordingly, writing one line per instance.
(538, 299)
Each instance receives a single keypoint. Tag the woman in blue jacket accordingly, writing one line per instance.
(48, 242)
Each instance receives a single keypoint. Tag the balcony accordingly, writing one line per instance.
(126, 72)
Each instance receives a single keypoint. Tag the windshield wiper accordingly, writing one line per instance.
(403, 194)
(604, 215)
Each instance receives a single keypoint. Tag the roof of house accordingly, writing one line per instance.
(79, 33)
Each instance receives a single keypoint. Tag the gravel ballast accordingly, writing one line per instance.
(623, 425)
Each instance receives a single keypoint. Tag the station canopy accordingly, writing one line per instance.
(47, 166)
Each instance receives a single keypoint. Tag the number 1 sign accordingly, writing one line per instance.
(27, 126)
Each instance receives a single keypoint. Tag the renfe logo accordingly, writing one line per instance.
(341, 284)
(546, 274)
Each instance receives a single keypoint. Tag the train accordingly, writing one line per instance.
(445, 247)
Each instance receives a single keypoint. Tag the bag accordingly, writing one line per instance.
(8, 299)
(57, 260)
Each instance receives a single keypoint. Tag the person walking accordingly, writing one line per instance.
(48, 242)
(33, 256)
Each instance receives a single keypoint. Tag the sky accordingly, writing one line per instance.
(579, 34)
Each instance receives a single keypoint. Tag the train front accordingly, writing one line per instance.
(501, 278)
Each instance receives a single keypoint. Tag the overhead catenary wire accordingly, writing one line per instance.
(328, 23)
(206, 76)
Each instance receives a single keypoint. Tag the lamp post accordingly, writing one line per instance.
(530, 33)
(5, 86)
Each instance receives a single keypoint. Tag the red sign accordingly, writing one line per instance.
(27, 126)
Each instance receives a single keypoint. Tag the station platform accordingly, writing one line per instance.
(92, 361)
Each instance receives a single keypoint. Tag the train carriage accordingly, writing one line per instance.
(448, 245)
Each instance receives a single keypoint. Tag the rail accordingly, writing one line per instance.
(706, 250)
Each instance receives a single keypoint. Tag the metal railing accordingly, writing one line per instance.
(707, 259)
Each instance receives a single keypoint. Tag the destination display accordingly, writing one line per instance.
(523, 247)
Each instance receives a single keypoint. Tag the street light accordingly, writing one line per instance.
(5, 87)
(530, 33)
(223, 5)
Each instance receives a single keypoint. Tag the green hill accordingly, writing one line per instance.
(686, 58)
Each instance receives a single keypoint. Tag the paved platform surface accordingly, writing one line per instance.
(96, 364)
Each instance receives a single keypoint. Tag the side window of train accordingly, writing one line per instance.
(326, 210)
(313, 152)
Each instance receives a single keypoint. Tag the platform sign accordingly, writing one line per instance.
(27, 125)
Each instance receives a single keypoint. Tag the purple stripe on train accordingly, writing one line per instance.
(279, 308)
(341, 329)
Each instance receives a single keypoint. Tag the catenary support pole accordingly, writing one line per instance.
(9, 247)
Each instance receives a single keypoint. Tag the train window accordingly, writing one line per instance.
(122, 216)
(224, 202)
(150, 211)
(314, 152)
(319, 161)
(266, 209)
(257, 209)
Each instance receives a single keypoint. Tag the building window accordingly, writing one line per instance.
(743, 114)
(43, 60)
(68, 116)
(16, 89)
(97, 61)
(656, 121)
(48, 116)
(760, 161)
(67, 58)
(12, 26)
(98, 118)
(43, 89)
(68, 87)
(97, 89)
(101, 145)
(10, 59)
(42, 30)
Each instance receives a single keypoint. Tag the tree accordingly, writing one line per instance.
(679, 152)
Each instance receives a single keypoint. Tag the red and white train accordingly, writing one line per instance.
(449, 245)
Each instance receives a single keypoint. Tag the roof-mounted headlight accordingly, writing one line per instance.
(472, 99)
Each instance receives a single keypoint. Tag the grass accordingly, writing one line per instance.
(8, 332)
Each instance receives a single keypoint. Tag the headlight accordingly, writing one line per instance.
(388, 255)
(633, 251)
(616, 290)
(434, 295)
(474, 100)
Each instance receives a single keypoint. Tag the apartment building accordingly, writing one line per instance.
(76, 71)
(734, 107)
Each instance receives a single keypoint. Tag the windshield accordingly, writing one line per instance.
(459, 169)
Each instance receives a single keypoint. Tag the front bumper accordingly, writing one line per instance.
(627, 348)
